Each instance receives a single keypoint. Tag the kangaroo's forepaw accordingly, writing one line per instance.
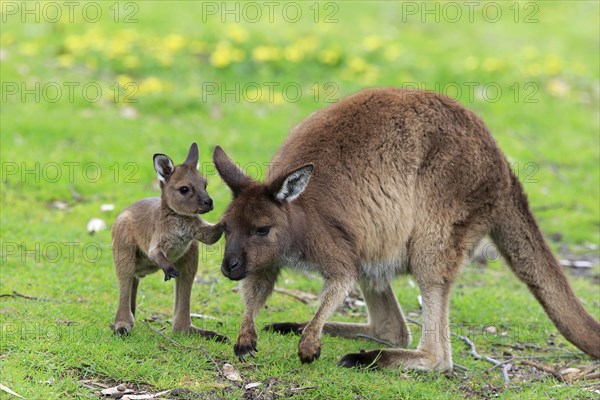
(365, 359)
(309, 350)
(243, 348)
(285, 328)
(172, 273)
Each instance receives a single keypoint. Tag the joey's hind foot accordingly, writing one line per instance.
(192, 330)
(122, 328)
(172, 273)
(285, 328)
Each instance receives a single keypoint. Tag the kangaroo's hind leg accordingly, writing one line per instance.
(124, 256)
(386, 321)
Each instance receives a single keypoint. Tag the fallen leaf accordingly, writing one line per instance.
(107, 207)
(59, 205)
(115, 391)
(144, 396)
(95, 225)
(252, 385)
(231, 373)
(491, 329)
(128, 112)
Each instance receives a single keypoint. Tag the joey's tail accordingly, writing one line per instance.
(519, 239)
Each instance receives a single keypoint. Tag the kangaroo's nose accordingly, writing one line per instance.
(233, 265)
(208, 202)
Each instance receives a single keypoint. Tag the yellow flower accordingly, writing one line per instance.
(372, 42)
(357, 64)
(329, 56)
(558, 87)
(91, 63)
(580, 68)
(530, 52)
(265, 53)
(173, 42)
(165, 59)
(293, 53)
(28, 49)
(117, 48)
(553, 64)
(75, 43)
(123, 80)
(277, 98)
(371, 75)
(533, 69)
(151, 85)
(65, 60)
(471, 63)
(7, 38)
(307, 44)
(198, 46)
(392, 52)
(224, 54)
(492, 64)
(131, 61)
(237, 34)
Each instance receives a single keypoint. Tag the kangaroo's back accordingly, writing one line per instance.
(379, 153)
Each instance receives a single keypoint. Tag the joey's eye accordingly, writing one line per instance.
(263, 231)
(184, 189)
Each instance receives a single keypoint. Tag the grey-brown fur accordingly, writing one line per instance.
(387, 181)
(162, 233)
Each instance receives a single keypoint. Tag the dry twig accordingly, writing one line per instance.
(306, 298)
(504, 365)
(25, 296)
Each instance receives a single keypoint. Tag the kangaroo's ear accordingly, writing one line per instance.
(230, 173)
(288, 188)
(164, 167)
(192, 157)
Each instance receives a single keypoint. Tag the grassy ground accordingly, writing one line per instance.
(88, 99)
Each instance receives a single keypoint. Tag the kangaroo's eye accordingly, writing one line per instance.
(263, 231)
(184, 189)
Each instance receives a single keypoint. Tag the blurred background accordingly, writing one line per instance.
(91, 90)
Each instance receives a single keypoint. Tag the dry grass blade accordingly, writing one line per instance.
(206, 353)
(9, 391)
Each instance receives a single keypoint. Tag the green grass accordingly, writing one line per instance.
(545, 120)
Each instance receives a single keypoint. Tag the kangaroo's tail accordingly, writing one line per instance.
(519, 239)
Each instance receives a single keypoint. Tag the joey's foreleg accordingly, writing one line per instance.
(255, 289)
(159, 257)
(208, 233)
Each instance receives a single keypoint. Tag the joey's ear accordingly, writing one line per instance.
(230, 173)
(288, 188)
(192, 157)
(163, 166)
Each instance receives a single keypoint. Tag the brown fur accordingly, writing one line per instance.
(400, 181)
(162, 233)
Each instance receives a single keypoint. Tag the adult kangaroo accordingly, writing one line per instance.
(384, 182)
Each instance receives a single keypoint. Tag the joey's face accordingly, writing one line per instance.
(186, 192)
(257, 233)
(184, 189)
